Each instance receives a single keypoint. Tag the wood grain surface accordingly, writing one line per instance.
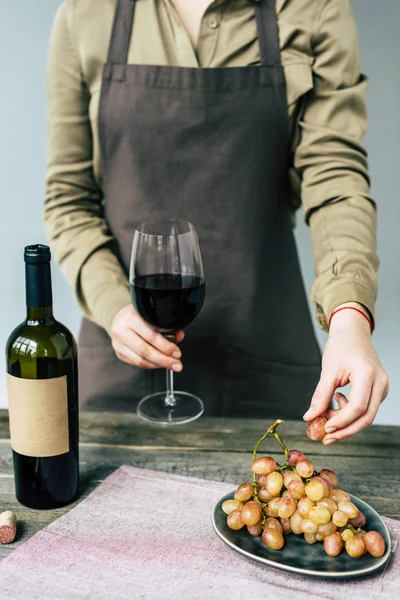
(368, 465)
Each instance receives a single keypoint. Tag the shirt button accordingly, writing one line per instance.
(213, 23)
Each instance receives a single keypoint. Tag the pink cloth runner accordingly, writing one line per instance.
(147, 535)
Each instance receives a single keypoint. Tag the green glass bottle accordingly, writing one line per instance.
(42, 381)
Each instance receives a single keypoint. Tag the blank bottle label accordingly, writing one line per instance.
(38, 410)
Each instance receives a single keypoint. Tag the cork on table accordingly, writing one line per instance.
(368, 465)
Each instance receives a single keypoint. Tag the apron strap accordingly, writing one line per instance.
(121, 32)
(267, 26)
(268, 32)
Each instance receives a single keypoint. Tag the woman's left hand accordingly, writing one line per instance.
(349, 357)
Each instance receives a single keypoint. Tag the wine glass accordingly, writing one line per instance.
(168, 287)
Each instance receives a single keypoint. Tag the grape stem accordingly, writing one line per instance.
(271, 430)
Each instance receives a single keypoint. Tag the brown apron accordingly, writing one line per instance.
(210, 146)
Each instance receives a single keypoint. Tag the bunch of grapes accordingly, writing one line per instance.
(294, 498)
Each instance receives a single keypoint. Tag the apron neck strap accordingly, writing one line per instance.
(267, 26)
(121, 32)
(268, 32)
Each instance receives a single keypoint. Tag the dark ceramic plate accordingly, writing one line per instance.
(300, 557)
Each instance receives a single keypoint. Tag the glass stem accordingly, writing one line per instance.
(170, 398)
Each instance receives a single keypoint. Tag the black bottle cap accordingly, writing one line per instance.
(38, 254)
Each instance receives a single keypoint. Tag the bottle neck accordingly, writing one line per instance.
(39, 297)
(43, 313)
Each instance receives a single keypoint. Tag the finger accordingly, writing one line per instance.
(156, 339)
(377, 397)
(359, 398)
(322, 395)
(126, 355)
(341, 400)
(150, 353)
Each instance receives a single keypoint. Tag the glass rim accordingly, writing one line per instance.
(183, 228)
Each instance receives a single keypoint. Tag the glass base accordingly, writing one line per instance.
(154, 408)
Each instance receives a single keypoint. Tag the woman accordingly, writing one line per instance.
(224, 114)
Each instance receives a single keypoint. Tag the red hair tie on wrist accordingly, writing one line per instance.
(352, 308)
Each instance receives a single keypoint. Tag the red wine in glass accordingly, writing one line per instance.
(168, 290)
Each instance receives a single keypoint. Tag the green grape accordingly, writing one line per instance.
(333, 544)
(264, 465)
(244, 492)
(347, 534)
(315, 490)
(305, 468)
(310, 538)
(319, 537)
(235, 520)
(319, 515)
(339, 518)
(230, 505)
(273, 539)
(251, 513)
(274, 483)
(309, 526)
(374, 543)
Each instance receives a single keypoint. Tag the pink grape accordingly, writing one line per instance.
(374, 543)
(327, 528)
(355, 546)
(264, 495)
(286, 526)
(358, 521)
(295, 456)
(333, 544)
(316, 429)
(287, 507)
(273, 523)
(251, 513)
(273, 539)
(330, 477)
(296, 489)
(304, 506)
(310, 538)
(305, 468)
(244, 492)
(264, 465)
(330, 504)
(255, 530)
(235, 520)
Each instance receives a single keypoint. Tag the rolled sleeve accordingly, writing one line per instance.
(73, 217)
(333, 167)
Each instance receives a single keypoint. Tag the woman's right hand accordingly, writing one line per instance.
(136, 343)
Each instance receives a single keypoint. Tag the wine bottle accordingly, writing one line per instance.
(42, 383)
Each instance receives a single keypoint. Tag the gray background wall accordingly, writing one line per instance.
(24, 32)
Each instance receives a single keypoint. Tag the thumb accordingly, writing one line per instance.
(322, 396)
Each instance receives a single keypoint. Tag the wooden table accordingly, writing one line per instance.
(368, 464)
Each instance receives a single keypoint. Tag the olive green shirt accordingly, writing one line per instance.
(327, 120)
